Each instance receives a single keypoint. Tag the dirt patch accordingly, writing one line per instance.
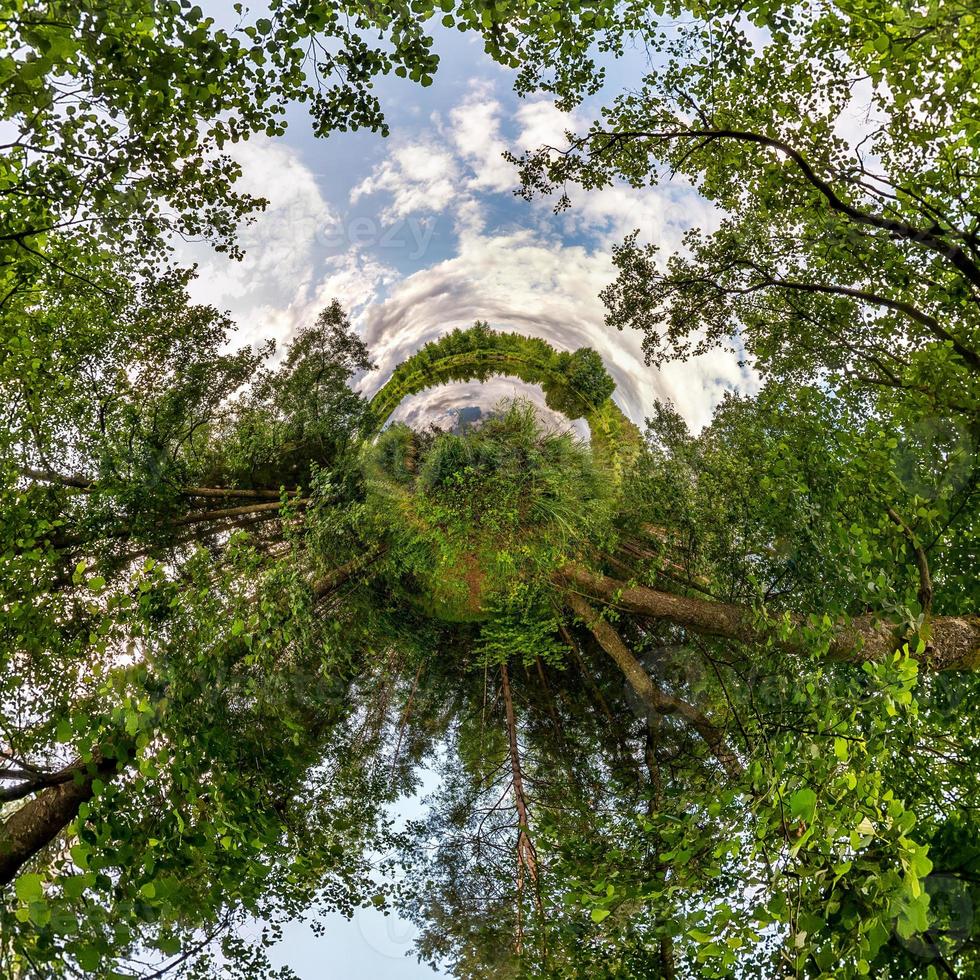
(474, 576)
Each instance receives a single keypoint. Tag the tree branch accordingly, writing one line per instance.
(921, 562)
(39, 821)
(648, 692)
(929, 322)
(953, 644)
(927, 237)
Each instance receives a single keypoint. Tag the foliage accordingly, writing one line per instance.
(752, 517)
(247, 673)
(473, 518)
(146, 636)
(575, 383)
(849, 252)
(300, 415)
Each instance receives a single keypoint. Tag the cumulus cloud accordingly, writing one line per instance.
(281, 244)
(419, 176)
(661, 214)
(476, 134)
(527, 280)
(542, 123)
(355, 279)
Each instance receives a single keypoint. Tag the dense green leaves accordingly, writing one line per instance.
(845, 244)
(238, 621)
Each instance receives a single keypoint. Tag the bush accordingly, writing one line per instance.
(394, 452)
(449, 456)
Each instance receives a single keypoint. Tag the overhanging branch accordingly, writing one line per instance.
(953, 644)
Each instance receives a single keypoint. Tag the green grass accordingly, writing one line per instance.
(474, 517)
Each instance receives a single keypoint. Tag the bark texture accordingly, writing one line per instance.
(953, 641)
(649, 693)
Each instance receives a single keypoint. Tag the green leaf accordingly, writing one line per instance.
(80, 855)
(866, 828)
(64, 922)
(29, 889)
(74, 886)
(169, 945)
(914, 916)
(88, 958)
(803, 804)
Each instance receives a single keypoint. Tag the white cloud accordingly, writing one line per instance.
(696, 385)
(476, 135)
(543, 124)
(281, 244)
(355, 280)
(419, 176)
(662, 214)
(527, 280)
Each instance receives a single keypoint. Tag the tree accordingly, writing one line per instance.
(121, 115)
(812, 744)
(166, 641)
(853, 252)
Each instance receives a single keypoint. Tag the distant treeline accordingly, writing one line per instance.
(575, 383)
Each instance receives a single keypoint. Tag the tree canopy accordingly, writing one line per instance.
(700, 703)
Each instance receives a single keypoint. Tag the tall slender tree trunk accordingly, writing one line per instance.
(527, 860)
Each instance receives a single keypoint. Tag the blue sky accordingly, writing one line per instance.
(420, 233)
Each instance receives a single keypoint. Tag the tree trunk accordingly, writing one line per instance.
(526, 857)
(525, 849)
(953, 644)
(648, 692)
(38, 822)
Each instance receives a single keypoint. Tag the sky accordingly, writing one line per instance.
(421, 232)
(418, 234)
